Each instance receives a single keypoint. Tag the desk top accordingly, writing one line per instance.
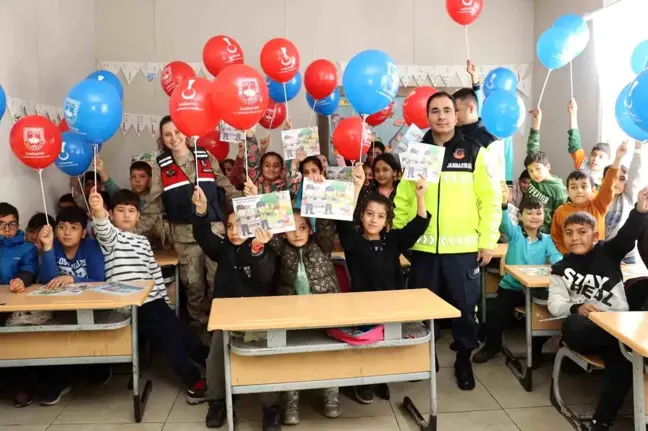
(500, 251)
(530, 281)
(630, 327)
(403, 260)
(327, 310)
(88, 300)
(166, 257)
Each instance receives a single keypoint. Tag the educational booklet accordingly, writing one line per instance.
(119, 289)
(536, 271)
(72, 289)
(423, 159)
(330, 199)
(271, 211)
(401, 141)
(307, 139)
(230, 134)
(339, 173)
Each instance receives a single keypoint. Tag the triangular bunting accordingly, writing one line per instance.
(130, 70)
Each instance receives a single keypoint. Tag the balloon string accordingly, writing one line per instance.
(364, 118)
(544, 86)
(286, 97)
(40, 175)
(195, 142)
(467, 44)
(247, 172)
(274, 113)
(571, 79)
(83, 194)
(95, 150)
(310, 118)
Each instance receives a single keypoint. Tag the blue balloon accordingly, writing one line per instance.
(639, 57)
(624, 119)
(276, 89)
(110, 78)
(503, 113)
(500, 78)
(370, 81)
(553, 48)
(76, 154)
(636, 101)
(326, 106)
(578, 30)
(3, 102)
(93, 109)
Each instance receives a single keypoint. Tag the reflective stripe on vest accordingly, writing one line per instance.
(451, 241)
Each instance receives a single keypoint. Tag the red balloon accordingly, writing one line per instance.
(63, 126)
(380, 116)
(220, 52)
(212, 143)
(415, 106)
(464, 12)
(35, 141)
(348, 135)
(280, 59)
(174, 73)
(320, 79)
(274, 116)
(240, 95)
(191, 107)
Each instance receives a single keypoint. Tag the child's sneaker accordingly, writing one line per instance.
(52, 395)
(197, 394)
(271, 419)
(363, 394)
(485, 354)
(332, 407)
(290, 412)
(22, 399)
(216, 414)
(600, 425)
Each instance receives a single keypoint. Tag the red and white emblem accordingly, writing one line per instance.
(459, 154)
(34, 138)
(248, 90)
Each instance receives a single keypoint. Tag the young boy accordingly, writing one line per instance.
(527, 246)
(128, 257)
(587, 280)
(18, 259)
(546, 188)
(520, 188)
(580, 189)
(66, 201)
(246, 268)
(34, 226)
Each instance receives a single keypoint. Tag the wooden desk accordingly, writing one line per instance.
(631, 329)
(277, 368)
(169, 257)
(498, 253)
(403, 260)
(85, 342)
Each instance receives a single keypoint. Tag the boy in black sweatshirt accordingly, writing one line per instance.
(589, 279)
(245, 268)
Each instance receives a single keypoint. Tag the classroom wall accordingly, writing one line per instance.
(47, 46)
(411, 31)
(557, 94)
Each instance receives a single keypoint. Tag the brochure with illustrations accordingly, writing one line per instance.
(423, 159)
(401, 141)
(307, 139)
(271, 211)
(330, 199)
(115, 288)
(230, 134)
(339, 173)
(72, 289)
(536, 271)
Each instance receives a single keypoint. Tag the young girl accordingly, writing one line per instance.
(385, 181)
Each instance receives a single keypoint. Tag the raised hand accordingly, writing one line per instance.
(199, 200)
(249, 189)
(642, 201)
(288, 124)
(421, 186)
(505, 192)
(96, 203)
(265, 144)
(300, 155)
(536, 114)
(472, 71)
(46, 237)
(622, 150)
(358, 174)
(262, 237)
(318, 178)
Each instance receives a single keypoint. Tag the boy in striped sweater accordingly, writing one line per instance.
(128, 257)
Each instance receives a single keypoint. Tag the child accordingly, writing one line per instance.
(245, 268)
(227, 166)
(18, 259)
(580, 190)
(34, 225)
(66, 201)
(128, 257)
(385, 174)
(587, 280)
(520, 188)
(527, 246)
(625, 195)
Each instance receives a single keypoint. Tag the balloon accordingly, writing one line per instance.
(326, 106)
(220, 52)
(637, 100)
(639, 57)
(553, 48)
(63, 126)
(191, 107)
(274, 116)
(624, 119)
(320, 78)
(110, 78)
(370, 81)
(212, 143)
(276, 89)
(240, 96)
(93, 109)
(464, 12)
(280, 59)
(578, 30)
(503, 113)
(347, 137)
(3, 102)
(500, 78)
(35, 141)
(415, 106)
(75, 156)
(173, 73)
(380, 116)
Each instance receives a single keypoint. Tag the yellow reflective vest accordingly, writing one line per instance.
(465, 205)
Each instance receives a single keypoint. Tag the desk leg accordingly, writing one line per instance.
(176, 278)
(139, 403)
(638, 394)
(483, 296)
(520, 366)
(228, 382)
(432, 423)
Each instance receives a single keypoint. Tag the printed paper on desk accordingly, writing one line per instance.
(536, 271)
(73, 289)
(330, 200)
(230, 134)
(271, 211)
(119, 289)
(340, 173)
(307, 139)
(423, 159)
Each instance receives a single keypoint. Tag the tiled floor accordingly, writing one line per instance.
(497, 403)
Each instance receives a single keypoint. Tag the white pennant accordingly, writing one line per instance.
(140, 125)
(61, 113)
(130, 70)
(446, 75)
(431, 72)
(16, 107)
(126, 123)
(30, 108)
(150, 70)
(420, 77)
(52, 113)
(41, 109)
(405, 75)
(154, 124)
